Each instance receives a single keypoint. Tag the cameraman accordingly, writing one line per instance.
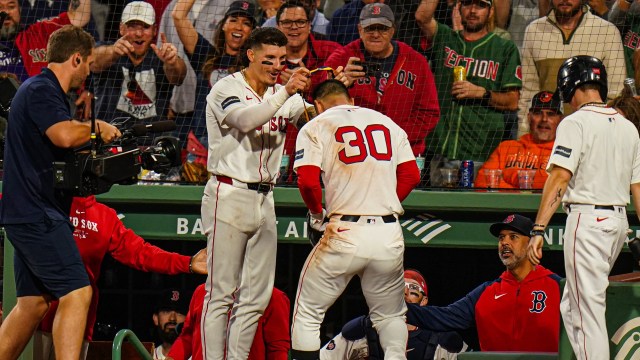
(35, 215)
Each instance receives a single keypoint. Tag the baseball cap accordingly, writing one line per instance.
(469, 2)
(242, 8)
(174, 299)
(546, 100)
(515, 222)
(139, 10)
(415, 275)
(376, 13)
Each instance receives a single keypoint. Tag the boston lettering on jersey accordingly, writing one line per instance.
(38, 55)
(487, 69)
(276, 123)
(404, 77)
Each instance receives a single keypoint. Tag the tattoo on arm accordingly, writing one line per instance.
(74, 5)
(556, 198)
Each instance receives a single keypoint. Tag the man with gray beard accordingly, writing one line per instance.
(519, 311)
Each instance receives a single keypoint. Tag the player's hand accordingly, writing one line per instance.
(353, 70)
(123, 47)
(199, 262)
(167, 52)
(85, 99)
(340, 75)
(285, 74)
(298, 81)
(107, 132)
(316, 221)
(534, 249)
(466, 90)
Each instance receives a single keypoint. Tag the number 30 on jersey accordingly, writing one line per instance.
(374, 141)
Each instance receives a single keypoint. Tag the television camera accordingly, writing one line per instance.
(93, 170)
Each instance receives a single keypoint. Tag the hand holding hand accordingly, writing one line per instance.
(167, 52)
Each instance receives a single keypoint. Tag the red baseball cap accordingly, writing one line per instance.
(415, 275)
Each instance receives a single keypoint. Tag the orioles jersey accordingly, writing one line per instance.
(249, 157)
(348, 141)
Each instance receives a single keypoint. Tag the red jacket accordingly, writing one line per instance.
(410, 98)
(99, 231)
(32, 42)
(271, 342)
(513, 155)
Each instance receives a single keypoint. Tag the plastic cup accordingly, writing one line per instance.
(449, 178)
(492, 176)
(525, 178)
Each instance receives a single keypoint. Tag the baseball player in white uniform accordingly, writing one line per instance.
(361, 154)
(247, 116)
(594, 163)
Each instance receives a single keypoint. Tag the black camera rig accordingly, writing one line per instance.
(93, 170)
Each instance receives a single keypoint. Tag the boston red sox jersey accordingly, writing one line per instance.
(603, 167)
(249, 157)
(348, 141)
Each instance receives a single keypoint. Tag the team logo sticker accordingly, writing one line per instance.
(562, 151)
(627, 339)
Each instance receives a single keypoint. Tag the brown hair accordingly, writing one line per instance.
(68, 40)
(213, 60)
(630, 108)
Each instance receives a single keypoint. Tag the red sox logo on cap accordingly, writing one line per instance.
(175, 295)
(509, 219)
(245, 5)
(376, 10)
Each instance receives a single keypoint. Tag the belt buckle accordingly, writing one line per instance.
(263, 188)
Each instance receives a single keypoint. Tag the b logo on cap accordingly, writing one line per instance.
(509, 219)
(245, 5)
(175, 295)
(376, 10)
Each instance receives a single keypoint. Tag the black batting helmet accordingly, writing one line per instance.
(580, 70)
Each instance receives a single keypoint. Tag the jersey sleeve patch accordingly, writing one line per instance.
(299, 154)
(562, 151)
(229, 101)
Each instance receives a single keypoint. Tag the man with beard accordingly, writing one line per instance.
(35, 214)
(519, 311)
(472, 115)
(171, 311)
(23, 51)
(569, 29)
(132, 81)
(531, 151)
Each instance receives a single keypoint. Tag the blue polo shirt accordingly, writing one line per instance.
(27, 189)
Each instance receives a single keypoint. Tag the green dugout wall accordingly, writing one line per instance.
(440, 220)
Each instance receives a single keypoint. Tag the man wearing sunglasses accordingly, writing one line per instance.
(519, 311)
(358, 339)
(472, 115)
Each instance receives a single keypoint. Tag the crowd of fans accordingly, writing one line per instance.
(157, 60)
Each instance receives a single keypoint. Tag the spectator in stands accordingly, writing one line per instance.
(134, 77)
(318, 22)
(569, 29)
(23, 50)
(205, 17)
(170, 313)
(626, 16)
(395, 79)
(519, 311)
(628, 107)
(212, 57)
(472, 115)
(358, 340)
(343, 27)
(271, 342)
(532, 150)
(303, 49)
(523, 12)
(98, 231)
(267, 9)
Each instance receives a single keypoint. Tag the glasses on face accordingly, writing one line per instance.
(414, 287)
(381, 29)
(287, 24)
